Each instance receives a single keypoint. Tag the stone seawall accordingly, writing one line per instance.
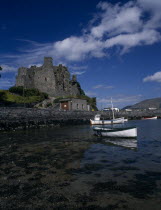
(15, 118)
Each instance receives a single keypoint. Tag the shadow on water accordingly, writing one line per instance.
(69, 168)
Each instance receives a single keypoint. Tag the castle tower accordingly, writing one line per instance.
(48, 62)
(53, 80)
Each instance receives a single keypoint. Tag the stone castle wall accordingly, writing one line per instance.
(54, 80)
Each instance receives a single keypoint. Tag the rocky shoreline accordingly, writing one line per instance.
(24, 118)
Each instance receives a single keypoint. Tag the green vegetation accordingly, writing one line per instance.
(90, 101)
(2, 96)
(0, 70)
(27, 92)
(79, 87)
(18, 95)
(82, 93)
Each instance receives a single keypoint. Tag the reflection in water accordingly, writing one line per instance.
(127, 143)
(69, 168)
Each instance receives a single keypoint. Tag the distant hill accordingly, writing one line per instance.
(149, 103)
(127, 107)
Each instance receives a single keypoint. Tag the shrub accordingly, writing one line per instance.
(17, 90)
(44, 95)
(27, 92)
(3, 96)
(31, 92)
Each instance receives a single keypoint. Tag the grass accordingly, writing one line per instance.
(13, 98)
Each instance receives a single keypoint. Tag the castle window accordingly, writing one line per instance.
(82, 106)
(77, 106)
(45, 79)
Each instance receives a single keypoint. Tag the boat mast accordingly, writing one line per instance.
(112, 109)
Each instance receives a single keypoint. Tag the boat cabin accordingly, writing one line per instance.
(97, 117)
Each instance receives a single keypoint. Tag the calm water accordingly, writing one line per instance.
(69, 168)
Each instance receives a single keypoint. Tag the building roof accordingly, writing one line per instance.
(70, 99)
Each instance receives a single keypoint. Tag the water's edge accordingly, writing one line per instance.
(23, 118)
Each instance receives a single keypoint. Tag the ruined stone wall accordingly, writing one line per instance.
(54, 80)
(44, 80)
(21, 77)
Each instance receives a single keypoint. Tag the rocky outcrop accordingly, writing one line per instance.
(53, 80)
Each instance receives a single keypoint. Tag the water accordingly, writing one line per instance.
(69, 168)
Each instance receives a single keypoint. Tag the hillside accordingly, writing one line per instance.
(149, 103)
(7, 97)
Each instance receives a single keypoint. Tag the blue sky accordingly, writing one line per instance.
(113, 46)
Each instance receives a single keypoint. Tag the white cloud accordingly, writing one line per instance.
(77, 69)
(74, 67)
(38, 65)
(103, 87)
(90, 93)
(120, 100)
(78, 48)
(7, 68)
(117, 19)
(154, 8)
(156, 77)
(135, 23)
(127, 41)
(78, 72)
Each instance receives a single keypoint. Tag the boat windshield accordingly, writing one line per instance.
(97, 117)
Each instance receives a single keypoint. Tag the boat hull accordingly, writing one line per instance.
(107, 122)
(149, 118)
(116, 132)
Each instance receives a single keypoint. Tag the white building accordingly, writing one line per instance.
(110, 109)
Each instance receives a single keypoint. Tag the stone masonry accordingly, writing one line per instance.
(53, 80)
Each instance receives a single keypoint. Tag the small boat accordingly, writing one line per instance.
(97, 121)
(128, 132)
(149, 118)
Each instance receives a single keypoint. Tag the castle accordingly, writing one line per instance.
(53, 80)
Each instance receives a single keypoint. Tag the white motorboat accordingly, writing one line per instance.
(128, 132)
(150, 118)
(97, 121)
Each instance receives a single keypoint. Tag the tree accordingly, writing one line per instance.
(0, 70)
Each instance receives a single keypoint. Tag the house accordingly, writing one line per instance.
(152, 108)
(128, 110)
(69, 104)
(110, 109)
